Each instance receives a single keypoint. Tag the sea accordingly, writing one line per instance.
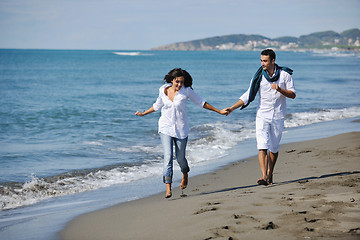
(70, 142)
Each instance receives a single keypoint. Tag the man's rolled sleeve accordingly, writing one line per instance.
(245, 97)
(290, 84)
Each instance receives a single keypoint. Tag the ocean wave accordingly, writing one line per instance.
(220, 137)
(136, 149)
(94, 143)
(212, 141)
(334, 53)
(132, 54)
(320, 115)
(39, 189)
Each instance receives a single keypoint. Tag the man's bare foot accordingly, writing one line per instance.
(262, 181)
(184, 181)
(270, 179)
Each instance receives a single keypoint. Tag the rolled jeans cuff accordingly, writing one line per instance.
(167, 179)
(185, 170)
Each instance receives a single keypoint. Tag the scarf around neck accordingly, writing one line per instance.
(255, 84)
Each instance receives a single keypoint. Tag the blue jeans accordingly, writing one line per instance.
(180, 147)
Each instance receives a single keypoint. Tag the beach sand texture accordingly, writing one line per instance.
(315, 195)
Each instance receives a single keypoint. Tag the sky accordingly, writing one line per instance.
(144, 24)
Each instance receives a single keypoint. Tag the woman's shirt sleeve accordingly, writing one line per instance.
(195, 98)
(159, 102)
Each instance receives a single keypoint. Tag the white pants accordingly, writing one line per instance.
(268, 133)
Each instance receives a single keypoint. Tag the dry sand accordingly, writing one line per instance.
(315, 195)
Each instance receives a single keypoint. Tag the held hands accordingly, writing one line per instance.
(233, 107)
(224, 112)
(227, 110)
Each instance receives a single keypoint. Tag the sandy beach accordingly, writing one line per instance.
(315, 195)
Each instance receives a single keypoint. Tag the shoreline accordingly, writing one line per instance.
(315, 195)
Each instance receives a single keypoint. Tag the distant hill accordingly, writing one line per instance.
(349, 40)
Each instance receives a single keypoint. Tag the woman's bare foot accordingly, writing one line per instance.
(184, 181)
(168, 191)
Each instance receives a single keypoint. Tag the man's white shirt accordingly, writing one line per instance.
(272, 104)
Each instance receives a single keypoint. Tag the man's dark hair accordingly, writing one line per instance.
(270, 53)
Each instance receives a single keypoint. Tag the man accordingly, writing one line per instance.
(274, 84)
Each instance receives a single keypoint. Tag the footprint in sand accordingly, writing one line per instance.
(354, 231)
(309, 229)
(269, 226)
(224, 232)
(247, 217)
(311, 220)
(204, 210)
(305, 151)
(208, 209)
(247, 192)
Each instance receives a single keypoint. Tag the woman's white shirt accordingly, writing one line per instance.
(173, 120)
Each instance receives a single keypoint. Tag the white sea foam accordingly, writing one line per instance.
(95, 143)
(307, 118)
(221, 137)
(136, 148)
(39, 189)
(132, 54)
(334, 53)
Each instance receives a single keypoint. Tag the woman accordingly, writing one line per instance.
(173, 125)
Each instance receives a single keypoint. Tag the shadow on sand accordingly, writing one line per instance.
(285, 182)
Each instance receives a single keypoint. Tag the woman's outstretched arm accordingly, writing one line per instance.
(150, 110)
(212, 108)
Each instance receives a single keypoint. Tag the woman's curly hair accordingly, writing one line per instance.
(178, 72)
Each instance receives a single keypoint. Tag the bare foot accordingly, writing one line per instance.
(184, 181)
(168, 191)
(270, 179)
(262, 181)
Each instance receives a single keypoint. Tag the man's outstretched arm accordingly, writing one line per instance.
(235, 106)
